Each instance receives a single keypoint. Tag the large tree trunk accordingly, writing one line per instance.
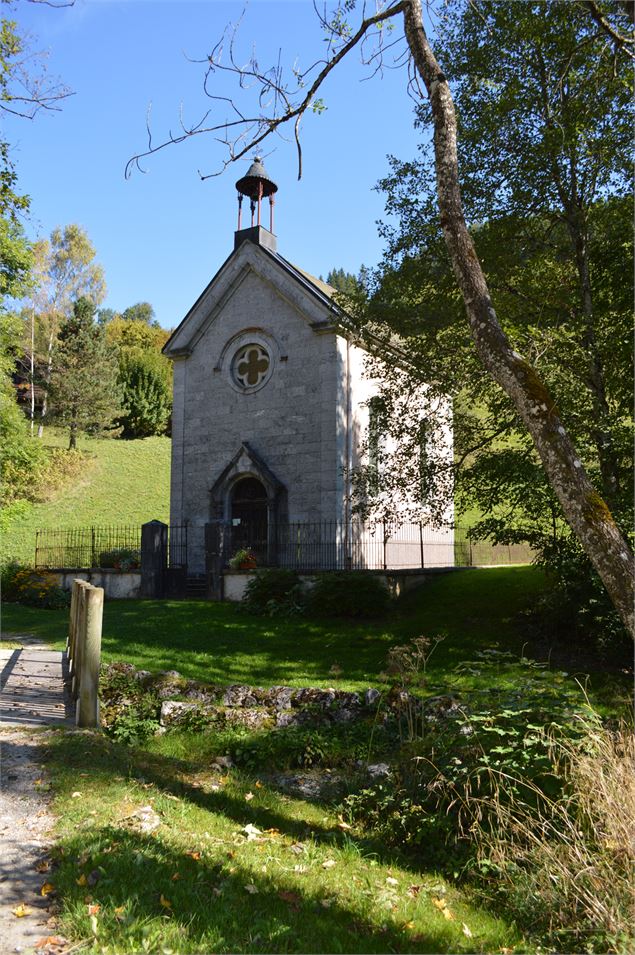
(584, 509)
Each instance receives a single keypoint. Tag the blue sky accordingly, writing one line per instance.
(161, 236)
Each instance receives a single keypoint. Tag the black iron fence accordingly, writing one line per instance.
(114, 546)
(308, 546)
(332, 545)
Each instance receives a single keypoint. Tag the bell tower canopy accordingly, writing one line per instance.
(256, 186)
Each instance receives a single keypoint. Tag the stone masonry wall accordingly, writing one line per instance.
(289, 422)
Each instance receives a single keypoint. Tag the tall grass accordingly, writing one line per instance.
(565, 865)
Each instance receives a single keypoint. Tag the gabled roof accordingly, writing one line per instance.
(313, 298)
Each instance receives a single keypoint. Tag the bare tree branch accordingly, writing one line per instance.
(620, 41)
(258, 128)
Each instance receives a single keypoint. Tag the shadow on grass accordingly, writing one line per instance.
(215, 903)
(107, 759)
(212, 906)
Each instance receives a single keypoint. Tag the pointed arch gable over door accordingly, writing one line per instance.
(248, 496)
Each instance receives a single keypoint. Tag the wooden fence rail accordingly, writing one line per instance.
(83, 649)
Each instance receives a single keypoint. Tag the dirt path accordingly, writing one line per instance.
(25, 825)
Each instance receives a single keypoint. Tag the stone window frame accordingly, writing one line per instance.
(249, 336)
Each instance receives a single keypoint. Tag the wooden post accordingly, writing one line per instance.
(88, 700)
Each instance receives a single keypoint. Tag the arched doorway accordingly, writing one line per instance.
(249, 507)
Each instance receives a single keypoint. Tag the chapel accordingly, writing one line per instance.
(271, 407)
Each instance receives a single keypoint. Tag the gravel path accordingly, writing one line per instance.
(33, 697)
(25, 824)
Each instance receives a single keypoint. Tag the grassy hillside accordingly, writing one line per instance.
(123, 482)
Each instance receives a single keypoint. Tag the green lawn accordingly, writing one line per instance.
(124, 482)
(299, 881)
(219, 643)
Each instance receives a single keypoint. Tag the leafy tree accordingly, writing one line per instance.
(292, 96)
(84, 391)
(65, 270)
(141, 312)
(129, 333)
(144, 373)
(146, 390)
(22, 459)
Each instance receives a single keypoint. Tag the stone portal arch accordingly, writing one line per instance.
(252, 501)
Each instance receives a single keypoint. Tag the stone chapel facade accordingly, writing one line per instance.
(270, 410)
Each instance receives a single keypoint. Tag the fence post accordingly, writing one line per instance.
(88, 701)
(421, 545)
(385, 561)
(37, 538)
(154, 543)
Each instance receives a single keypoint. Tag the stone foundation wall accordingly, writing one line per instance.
(116, 585)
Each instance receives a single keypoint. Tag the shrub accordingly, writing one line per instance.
(275, 593)
(120, 558)
(564, 866)
(353, 594)
(129, 712)
(577, 605)
(449, 765)
(33, 588)
(299, 746)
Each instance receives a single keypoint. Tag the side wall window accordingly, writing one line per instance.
(376, 439)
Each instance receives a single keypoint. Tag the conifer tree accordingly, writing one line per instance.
(84, 391)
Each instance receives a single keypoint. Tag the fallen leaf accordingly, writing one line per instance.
(292, 898)
(21, 910)
(297, 847)
(120, 913)
(76, 795)
(414, 890)
(217, 891)
(93, 924)
(94, 909)
(46, 889)
(93, 877)
(193, 854)
(249, 797)
(51, 941)
(258, 784)
(466, 930)
(165, 902)
(343, 825)
(81, 880)
(176, 876)
(223, 780)
(251, 889)
(252, 832)
(43, 866)
(326, 903)
(442, 906)
(392, 881)
(329, 864)
(408, 926)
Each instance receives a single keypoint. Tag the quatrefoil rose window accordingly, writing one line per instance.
(251, 366)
